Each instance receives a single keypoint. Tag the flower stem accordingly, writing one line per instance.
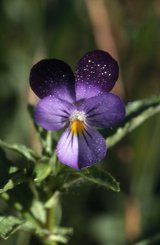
(51, 207)
(49, 142)
(46, 242)
(49, 219)
(49, 226)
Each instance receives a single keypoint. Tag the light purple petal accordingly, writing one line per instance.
(81, 150)
(67, 149)
(52, 113)
(96, 72)
(104, 111)
(53, 77)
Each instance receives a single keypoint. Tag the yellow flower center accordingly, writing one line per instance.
(77, 126)
(77, 119)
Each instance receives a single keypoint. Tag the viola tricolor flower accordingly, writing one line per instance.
(80, 103)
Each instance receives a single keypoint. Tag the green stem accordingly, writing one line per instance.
(51, 206)
(49, 226)
(49, 142)
(50, 219)
(53, 163)
(23, 238)
(46, 242)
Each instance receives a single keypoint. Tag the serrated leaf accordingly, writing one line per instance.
(137, 113)
(9, 225)
(99, 177)
(24, 151)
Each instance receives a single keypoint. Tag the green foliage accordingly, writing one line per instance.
(10, 175)
(13, 181)
(99, 177)
(33, 30)
(41, 171)
(9, 225)
(136, 113)
(45, 177)
(150, 241)
(27, 153)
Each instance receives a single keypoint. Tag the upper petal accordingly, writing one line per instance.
(81, 150)
(53, 77)
(52, 113)
(96, 72)
(103, 111)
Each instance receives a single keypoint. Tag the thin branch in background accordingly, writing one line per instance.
(33, 99)
(132, 219)
(102, 30)
(34, 143)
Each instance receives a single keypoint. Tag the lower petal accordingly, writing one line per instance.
(67, 149)
(81, 150)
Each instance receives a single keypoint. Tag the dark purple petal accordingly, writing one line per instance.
(92, 148)
(96, 72)
(52, 113)
(53, 77)
(81, 150)
(103, 111)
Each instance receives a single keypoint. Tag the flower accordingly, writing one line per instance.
(80, 102)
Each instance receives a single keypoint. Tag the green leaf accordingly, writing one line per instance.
(14, 180)
(38, 211)
(27, 153)
(10, 175)
(9, 185)
(72, 182)
(137, 113)
(150, 241)
(61, 235)
(41, 171)
(99, 177)
(9, 225)
(140, 105)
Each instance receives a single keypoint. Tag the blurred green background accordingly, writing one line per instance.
(67, 29)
